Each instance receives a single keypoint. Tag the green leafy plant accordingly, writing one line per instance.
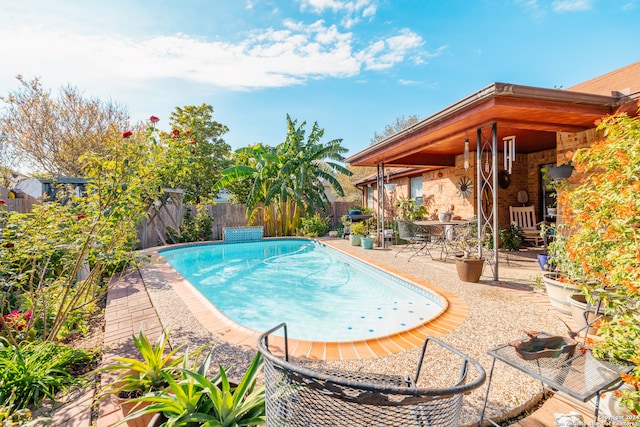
(408, 211)
(602, 214)
(314, 226)
(359, 228)
(192, 229)
(137, 377)
(195, 400)
(511, 237)
(30, 372)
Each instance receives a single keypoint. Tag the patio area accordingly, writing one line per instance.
(498, 312)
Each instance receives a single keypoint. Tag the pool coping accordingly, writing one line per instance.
(453, 313)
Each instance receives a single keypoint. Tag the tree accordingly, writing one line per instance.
(209, 153)
(52, 134)
(288, 180)
(399, 124)
(351, 192)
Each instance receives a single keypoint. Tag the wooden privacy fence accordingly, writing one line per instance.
(21, 204)
(153, 231)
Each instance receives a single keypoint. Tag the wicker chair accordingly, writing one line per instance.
(300, 396)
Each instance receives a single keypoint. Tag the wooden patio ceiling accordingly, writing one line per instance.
(532, 114)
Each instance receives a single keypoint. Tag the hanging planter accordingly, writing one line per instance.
(558, 173)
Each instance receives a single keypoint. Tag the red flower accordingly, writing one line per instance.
(193, 142)
(187, 132)
(80, 216)
(127, 134)
(175, 132)
(154, 119)
(3, 202)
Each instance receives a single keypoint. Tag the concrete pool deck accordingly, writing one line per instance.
(153, 299)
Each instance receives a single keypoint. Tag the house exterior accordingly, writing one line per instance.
(535, 127)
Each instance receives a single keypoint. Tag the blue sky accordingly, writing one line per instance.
(352, 66)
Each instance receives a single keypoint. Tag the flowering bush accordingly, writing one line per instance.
(54, 259)
(603, 213)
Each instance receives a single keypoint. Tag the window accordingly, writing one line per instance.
(370, 197)
(416, 190)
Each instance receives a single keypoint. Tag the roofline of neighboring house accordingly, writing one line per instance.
(497, 90)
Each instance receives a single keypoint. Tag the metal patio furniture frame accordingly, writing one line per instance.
(300, 396)
(418, 238)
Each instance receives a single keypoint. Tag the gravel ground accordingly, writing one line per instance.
(499, 312)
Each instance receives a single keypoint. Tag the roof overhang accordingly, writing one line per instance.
(532, 114)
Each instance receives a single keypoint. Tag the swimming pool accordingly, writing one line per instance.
(322, 294)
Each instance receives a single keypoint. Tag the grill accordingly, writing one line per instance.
(355, 215)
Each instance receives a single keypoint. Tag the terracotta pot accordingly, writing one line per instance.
(469, 269)
(558, 291)
(128, 407)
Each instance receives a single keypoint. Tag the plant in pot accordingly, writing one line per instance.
(469, 264)
(194, 400)
(561, 279)
(137, 377)
(358, 229)
(511, 237)
(604, 214)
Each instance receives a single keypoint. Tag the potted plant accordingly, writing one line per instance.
(469, 264)
(445, 216)
(560, 280)
(358, 229)
(137, 377)
(603, 214)
(561, 172)
(195, 400)
(511, 237)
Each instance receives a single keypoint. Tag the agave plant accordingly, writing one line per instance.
(197, 401)
(138, 377)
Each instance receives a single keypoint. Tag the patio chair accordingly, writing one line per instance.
(418, 239)
(321, 397)
(525, 218)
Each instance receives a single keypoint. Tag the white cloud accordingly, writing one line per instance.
(570, 5)
(352, 11)
(265, 58)
(405, 82)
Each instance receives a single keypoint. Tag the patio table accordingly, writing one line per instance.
(448, 232)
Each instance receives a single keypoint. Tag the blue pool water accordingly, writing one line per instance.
(322, 294)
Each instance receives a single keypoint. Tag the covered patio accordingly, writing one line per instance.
(495, 144)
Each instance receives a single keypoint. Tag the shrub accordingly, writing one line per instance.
(192, 229)
(511, 237)
(314, 226)
(33, 371)
(603, 215)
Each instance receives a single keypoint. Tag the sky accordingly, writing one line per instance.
(351, 66)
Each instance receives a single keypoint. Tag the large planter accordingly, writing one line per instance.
(354, 239)
(469, 269)
(558, 292)
(367, 242)
(578, 306)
